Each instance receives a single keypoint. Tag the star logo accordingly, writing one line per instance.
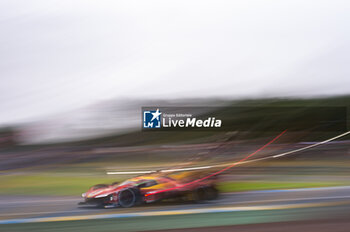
(156, 115)
(152, 118)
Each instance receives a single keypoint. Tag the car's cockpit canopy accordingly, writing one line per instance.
(142, 183)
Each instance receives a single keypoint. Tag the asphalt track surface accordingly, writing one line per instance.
(324, 225)
(320, 202)
(13, 209)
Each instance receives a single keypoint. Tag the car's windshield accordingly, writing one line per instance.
(148, 183)
(127, 182)
(145, 183)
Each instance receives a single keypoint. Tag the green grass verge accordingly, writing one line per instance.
(75, 185)
(258, 185)
(49, 185)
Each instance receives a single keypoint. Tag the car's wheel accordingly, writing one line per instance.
(128, 197)
(211, 193)
(204, 194)
(200, 194)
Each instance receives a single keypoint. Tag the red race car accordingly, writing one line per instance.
(151, 188)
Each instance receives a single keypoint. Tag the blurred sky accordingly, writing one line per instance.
(56, 56)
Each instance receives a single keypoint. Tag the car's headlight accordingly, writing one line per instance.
(83, 195)
(103, 195)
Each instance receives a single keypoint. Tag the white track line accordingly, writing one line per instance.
(128, 173)
(186, 169)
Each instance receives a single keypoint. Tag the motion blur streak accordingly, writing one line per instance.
(240, 162)
(313, 145)
(128, 173)
(222, 170)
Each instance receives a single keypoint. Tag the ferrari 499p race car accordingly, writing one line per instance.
(152, 188)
